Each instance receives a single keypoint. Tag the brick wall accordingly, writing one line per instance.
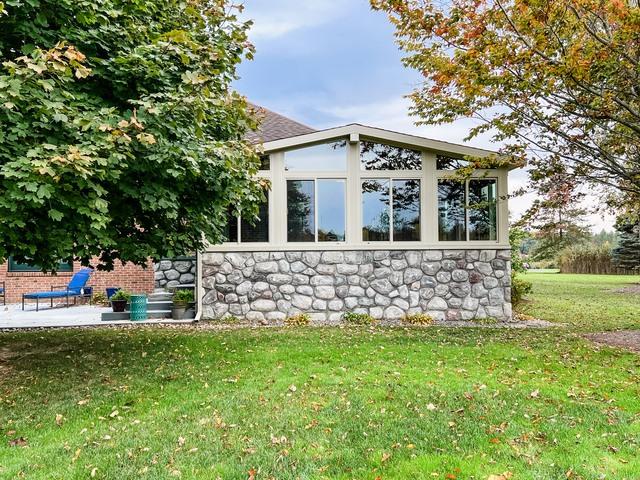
(130, 277)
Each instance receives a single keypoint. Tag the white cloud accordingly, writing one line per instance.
(276, 18)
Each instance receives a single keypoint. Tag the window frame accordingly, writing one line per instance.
(352, 177)
(479, 176)
(262, 175)
(314, 179)
(391, 209)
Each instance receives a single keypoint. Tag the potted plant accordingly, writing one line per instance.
(182, 301)
(119, 301)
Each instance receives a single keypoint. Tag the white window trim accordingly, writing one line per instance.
(353, 177)
(315, 179)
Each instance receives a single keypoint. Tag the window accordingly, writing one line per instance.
(451, 211)
(258, 232)
(467, 210)
(482, 209)
(377, 216)
(15, 266)
(323, 157)
(316, 210)
(265, 162)
(378, 156)
(450, 163)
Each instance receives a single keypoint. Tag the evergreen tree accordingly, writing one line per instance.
(627, 252)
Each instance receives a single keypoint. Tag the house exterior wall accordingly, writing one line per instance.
(267, 287)
(129, 277)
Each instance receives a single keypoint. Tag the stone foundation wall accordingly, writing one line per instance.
(175, 272)
(266, 287)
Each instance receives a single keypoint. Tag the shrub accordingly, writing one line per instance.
(183, 296)
(298, 320)
(587, 258)
(519, 288)
(418, 319)
(121, 295)
(354, 318)
(100, 298)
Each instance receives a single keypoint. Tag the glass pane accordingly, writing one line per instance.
(300, 211)
(231, 229)
(451, 210)
(259, 231)
(328, 156)
(450, 163)
(375, 210)
(15, 266)
(482, 209)
(265, 162)
(406, 210)
(331, 210)
(377, 156)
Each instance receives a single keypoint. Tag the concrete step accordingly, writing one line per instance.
(151, 314)
(166, 305)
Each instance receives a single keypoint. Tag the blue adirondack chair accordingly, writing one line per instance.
(74, 289)
(3, 293)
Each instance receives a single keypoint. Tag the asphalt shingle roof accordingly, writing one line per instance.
(276, 127)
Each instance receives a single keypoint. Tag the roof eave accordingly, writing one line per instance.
(354, 131)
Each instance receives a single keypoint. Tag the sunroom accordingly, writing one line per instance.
(370, 221)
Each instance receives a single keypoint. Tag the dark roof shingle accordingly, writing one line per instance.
(275, 127)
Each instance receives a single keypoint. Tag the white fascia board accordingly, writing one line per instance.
(373, 133)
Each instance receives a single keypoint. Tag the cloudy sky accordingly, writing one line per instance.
(332, 62)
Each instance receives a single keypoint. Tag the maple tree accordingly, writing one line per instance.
(120, 135)
(552, 80)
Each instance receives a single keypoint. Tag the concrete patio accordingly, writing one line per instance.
(12, 317)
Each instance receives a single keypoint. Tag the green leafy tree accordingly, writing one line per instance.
(555, 81)
(119, 134)
(626, 254)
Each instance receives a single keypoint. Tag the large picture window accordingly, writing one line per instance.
(467, 210)
(316, 210)
(387, 203)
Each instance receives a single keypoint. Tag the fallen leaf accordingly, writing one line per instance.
(252, 474)
(114, 414)
(385, 456)
(502, 476)
(535, 394)
(83, 402)
(292, 388)
(94, 472)
(431, 407)
(18, 442)
(59, 419)
(181, 441)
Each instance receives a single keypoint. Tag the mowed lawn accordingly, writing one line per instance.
(430, 403)
(585, 302)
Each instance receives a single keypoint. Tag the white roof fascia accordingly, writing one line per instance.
(375, 134)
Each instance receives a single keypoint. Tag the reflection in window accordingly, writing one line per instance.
(259, 231)
(482, 209)
(231, 229)
(451, 211)
(450, 163)
(406, 210)
(265, 162)
(15, 266)
(331, 210)
(375, 210)
(301, 223)
(324, 157)
(377, 156)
